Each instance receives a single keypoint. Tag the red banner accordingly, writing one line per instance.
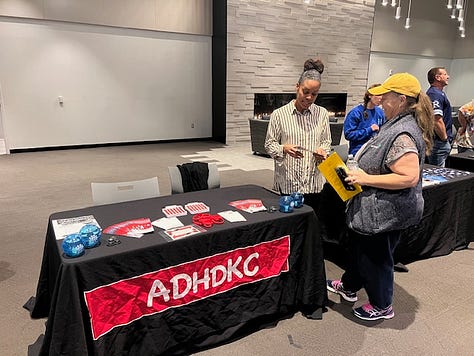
(122, 302)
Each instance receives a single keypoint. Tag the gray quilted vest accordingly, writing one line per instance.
(378, 210)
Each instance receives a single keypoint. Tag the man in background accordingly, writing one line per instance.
(438, 79)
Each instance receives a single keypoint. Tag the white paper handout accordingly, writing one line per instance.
(232, 216)
(64, 227)
(167, 223)
(183, 231)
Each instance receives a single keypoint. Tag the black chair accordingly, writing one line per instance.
(213, 180)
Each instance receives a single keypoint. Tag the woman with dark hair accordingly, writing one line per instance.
(363, 121)
(391, 200)
(299, 137)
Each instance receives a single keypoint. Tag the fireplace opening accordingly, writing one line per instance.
(265, 103)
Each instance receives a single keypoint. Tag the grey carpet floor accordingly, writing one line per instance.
(434, 303)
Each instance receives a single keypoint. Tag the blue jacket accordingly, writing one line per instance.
(357, 128)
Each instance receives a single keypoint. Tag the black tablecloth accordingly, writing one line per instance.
(463, 161)
(446, 224)
(198, 323)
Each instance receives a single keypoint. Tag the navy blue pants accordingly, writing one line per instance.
(371, 266)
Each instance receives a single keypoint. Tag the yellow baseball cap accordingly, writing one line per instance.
(401, 83)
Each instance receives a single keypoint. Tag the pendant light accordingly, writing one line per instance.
(398, 13)
(407, 21)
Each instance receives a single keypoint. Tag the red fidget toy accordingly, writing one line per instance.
(207, 220)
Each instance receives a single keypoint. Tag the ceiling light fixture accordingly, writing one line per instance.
(398, 13)
(462, 16)
(407, 21)
(460, 9)
(453, 13)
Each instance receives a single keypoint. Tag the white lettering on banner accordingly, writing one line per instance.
(158, 289)
(175, 282)
(215, 282)
(130, 299)
(204, 281)
(232, 269)
(246, 265)
(162, 292)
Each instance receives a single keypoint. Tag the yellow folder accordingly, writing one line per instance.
(328, 169)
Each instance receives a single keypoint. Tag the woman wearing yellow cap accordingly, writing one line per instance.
(390, 172)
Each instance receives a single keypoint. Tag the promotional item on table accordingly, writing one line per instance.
(207, 220)
(167, 223)
(90, 235)
(437, 175)
(64, 227)
(73, 246)
(79, 233)
(183, 231)
(249, 205)
(197, 208)
(286, 204)
(232, 216)
(84, 232)
(174, 210)
(298, 199)
(130, 228)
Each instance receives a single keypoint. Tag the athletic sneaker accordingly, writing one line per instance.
(335, 286)
(369, 312)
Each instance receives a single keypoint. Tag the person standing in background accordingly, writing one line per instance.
(465, 136)
(363, 121)
(443, 122)
(299, 137)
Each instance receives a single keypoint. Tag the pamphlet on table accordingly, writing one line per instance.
(64, 227)
(131, 228)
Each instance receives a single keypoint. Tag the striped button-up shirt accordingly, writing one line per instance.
(309, 130)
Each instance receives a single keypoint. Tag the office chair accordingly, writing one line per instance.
(213, 180)
(342, 151)
(107, 193)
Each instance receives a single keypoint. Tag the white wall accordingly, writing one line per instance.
(381, 64)
(432, 41)
(118, 85)
(127, 70)
(461, 89)
(181, 16)
(461, 72)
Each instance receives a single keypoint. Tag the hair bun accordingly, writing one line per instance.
(315, 64)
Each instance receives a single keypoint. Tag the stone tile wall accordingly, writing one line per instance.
(269, 40)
